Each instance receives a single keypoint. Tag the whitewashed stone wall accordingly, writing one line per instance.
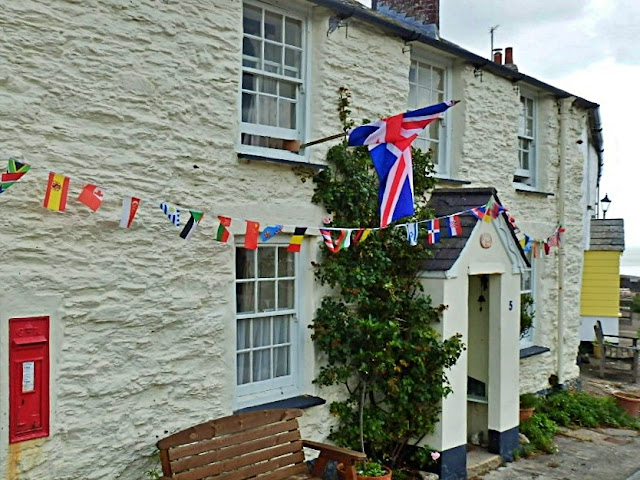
(134, 96)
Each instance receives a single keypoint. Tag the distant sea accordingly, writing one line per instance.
(630, 262)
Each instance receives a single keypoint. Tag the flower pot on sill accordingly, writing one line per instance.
(630, 402)
(526, 413)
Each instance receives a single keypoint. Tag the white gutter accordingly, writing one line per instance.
(561, 199)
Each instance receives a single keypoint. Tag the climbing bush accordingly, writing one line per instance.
(375, 329)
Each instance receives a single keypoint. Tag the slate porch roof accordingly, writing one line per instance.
(607, 234)
(447, 201)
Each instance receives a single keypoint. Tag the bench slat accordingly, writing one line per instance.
(239, 450)
(250, 465)
(228, 425)
(233, 439)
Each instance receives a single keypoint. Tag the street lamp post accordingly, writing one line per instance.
(605, 202)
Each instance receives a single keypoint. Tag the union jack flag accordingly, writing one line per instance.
(389, 141)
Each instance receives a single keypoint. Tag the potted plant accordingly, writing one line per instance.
(527, 313)
(368, 470)
(630, 402)
(528, 404)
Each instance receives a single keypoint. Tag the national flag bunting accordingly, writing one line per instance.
(389, 141)
(57, 190)
(15, 170)
(455, 227)
(129, 208)
(270, 232)
(343, 240)
(296, 239)
(361, 235)
(222, 235)
(412, 233)
(478, 212)
(194, 219)
(251, 235)
(433, 231)
(172, 212)
(91, 196)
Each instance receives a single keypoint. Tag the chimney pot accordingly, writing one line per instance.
(497, 57)
(508, 56)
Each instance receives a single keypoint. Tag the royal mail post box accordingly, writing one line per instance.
(28, 378)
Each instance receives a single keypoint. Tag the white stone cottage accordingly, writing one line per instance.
(110, 338)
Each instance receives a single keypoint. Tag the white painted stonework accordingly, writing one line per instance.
(142, 98)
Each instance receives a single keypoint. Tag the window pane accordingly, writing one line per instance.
(266, 296)
(244, 368)
(280, 330)
(525, 281)
(249, 110)
(273, 26)
(288, 90)
(245, 263)
(424, 97)
(245, 297)
(261, 365)
(267, 112)
(293, 32)
(261, 332)
(281, 361)
(412, 72)
(269, 85)
(285, 263)
(251, 21)
(434, 131)
(437, 79)
(249, 81)
(293, 60)
(243, 334)
(287, 114)
(251, 53)
(267, 262)
(272, 58)
(285, 294)
(413, 96)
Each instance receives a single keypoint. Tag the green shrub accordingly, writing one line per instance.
(529, 400)
(539, 429)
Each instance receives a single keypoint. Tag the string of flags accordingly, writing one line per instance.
(335, 238)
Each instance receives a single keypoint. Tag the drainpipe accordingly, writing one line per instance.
(561, 200)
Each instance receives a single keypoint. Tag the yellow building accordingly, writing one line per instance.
(600, 296)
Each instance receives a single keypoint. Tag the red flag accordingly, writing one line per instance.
(129, 209)
(91, 196)
(251, 235)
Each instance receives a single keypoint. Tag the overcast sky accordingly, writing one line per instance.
(590, 48)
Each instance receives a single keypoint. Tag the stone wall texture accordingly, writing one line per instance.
(142, 98)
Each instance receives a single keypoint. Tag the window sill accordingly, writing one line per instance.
(532, 351)
(524, 188)
(301, 401)
(295, 163)
(452, 181)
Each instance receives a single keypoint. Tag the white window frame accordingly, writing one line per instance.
(443, 164)
(302, 112)
(522, 175)
(528, 339)
(256, 393)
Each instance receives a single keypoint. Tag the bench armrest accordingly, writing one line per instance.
(347, 457)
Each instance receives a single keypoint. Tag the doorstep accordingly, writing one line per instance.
(480, 461)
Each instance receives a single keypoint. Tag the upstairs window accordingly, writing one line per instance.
(428, 86)
(273, 77)
(525, 172)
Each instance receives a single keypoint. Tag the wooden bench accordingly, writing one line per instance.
(617, 351)
(264, 445)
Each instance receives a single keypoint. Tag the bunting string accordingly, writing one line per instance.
(335, 238)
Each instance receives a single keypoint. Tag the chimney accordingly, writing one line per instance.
(497, 56)
(425, 11)
(508, 58)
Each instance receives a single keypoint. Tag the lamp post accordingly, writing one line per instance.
(605, 202)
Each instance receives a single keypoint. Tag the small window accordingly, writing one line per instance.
(266, 319)
(525, 172)
(273, 77)
(528, 301)
(428, 86)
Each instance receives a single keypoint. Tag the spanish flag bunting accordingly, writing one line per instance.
(194, 219)
(296, 239)
(222, 235)
(57, 190)
(15, 170)
(251, 235)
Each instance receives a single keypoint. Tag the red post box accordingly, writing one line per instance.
(28, 378)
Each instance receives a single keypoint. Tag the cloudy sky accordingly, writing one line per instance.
(590, 48)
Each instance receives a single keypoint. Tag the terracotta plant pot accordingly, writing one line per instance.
(387, 476)
(526, 413)
(629, 401)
